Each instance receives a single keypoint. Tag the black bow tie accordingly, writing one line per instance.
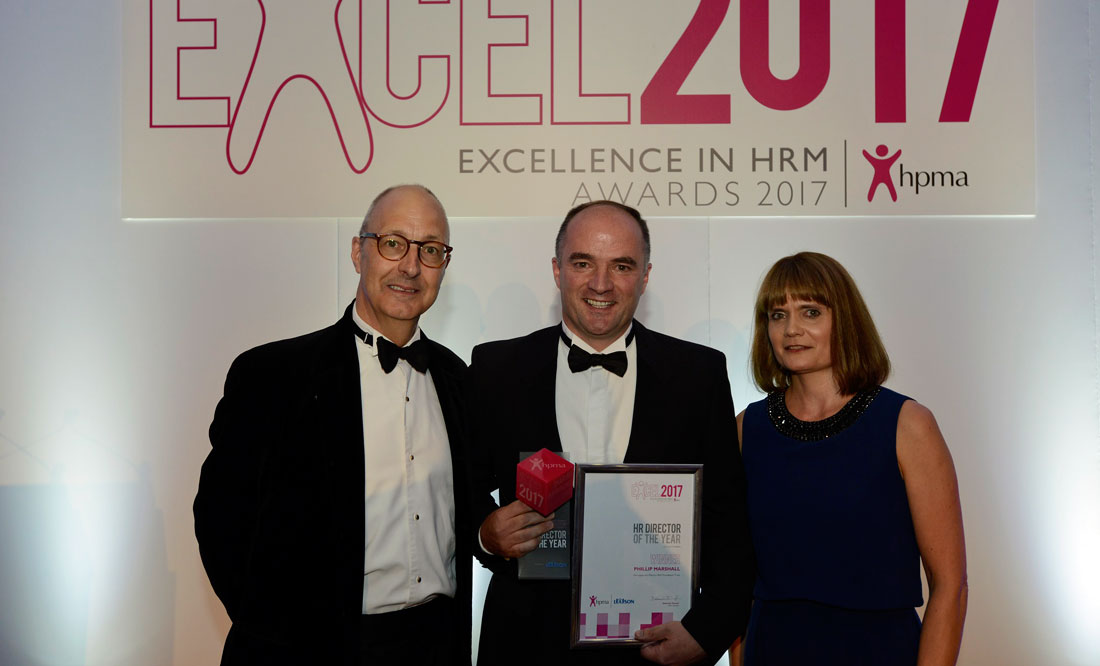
(580, 360)
(388, 353)
(416, 354)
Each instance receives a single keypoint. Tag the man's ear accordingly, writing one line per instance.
(356, 252)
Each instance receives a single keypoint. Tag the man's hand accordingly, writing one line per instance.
(514, 530)
(670, 644)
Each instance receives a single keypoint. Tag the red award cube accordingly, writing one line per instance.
(544, 481)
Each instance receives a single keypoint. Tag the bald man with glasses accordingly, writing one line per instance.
(326, 513)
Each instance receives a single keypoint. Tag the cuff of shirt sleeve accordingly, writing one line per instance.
(481, 543)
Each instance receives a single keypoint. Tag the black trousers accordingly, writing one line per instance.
(423, 634)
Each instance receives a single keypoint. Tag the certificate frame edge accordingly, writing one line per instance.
(582, 470)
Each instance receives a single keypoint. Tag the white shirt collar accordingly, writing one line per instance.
(618, 345)
(375, 334)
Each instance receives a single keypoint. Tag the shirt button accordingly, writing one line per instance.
(416, 516)
(418, 579)
(406, 398)
(412, 456)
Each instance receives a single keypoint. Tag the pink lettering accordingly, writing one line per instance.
(167, 62)
(290, 27)
(889, 61)
(662, 103)
(569, 103)
(813, 55)
(380, 44)
(480, 103)
(966, 70)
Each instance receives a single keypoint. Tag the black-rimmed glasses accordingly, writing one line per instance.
(394, 247)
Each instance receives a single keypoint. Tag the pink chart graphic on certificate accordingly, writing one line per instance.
(604, 629)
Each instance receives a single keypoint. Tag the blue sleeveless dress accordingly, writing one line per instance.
(838, 570)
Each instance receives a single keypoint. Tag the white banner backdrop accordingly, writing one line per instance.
(115, 337)
(277, 108)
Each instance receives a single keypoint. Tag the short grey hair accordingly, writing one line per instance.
(382, 195)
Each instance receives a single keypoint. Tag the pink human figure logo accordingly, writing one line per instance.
(881, 165)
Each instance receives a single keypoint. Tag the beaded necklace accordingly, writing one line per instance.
(815, 431)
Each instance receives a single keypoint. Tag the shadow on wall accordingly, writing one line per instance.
(513, 310)
(449, 320)
(84, 576)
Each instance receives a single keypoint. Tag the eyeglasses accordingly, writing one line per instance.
(394, 247)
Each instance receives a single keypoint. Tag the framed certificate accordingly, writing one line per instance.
(635, 550)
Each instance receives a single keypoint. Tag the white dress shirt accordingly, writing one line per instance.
(410, 513)
(595, 407)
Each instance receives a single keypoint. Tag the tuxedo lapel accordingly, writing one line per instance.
(448, 387)
(339, 412)
(645, 427)
(542, 385)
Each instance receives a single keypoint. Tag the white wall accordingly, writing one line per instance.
(115, 337)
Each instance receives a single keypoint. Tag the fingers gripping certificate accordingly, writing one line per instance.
(636, 555)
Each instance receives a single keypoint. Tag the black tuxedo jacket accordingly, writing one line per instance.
(683, 413)
(280, 511)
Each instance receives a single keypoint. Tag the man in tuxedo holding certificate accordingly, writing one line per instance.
(604, 389)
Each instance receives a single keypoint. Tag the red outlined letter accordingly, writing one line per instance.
(661, 102)
(380, 45)
(476, 68)
(172, 108)
(291, 27)
(813, 55)
(569, 104)
(966, 70)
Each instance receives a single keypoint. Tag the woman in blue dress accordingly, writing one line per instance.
(850, 489)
